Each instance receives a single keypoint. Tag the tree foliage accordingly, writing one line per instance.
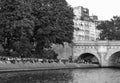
(31, 26)
(110, 29)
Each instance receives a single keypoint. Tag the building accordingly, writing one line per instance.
(85, 25)
(81, 13)
(81, 31)
(94, 18)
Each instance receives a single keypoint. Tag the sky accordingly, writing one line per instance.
(104, 9)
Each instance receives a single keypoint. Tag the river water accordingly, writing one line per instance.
(92, 75)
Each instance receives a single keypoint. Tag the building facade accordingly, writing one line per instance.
(84, 25)
(81, 13)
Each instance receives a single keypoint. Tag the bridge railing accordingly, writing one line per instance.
(97, 42)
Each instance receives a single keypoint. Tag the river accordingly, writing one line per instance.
(92, 75)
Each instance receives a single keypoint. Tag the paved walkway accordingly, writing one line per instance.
(40, 66)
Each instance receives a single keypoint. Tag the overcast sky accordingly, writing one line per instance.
(104, 9)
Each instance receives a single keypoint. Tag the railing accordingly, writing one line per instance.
(103, 43)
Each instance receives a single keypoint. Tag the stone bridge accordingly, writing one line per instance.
(106, 52)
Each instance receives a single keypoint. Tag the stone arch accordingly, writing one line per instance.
(77, 52)
(89, 57)
(111, 52)
(114, 59)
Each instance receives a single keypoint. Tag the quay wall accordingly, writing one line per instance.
(40, 66)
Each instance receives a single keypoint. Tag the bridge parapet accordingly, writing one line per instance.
(99, 43)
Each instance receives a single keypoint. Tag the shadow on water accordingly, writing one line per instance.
(47, 76)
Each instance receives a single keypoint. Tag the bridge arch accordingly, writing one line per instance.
(88, 57)
(111, 52)
(114, 59)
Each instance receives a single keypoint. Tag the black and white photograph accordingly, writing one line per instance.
(59, 41)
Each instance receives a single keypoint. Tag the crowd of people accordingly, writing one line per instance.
(35, 60)
(31, 60)
(88, 61)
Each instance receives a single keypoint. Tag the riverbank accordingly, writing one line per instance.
(41, 66)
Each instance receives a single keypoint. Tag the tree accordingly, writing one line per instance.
(54, 23)
(31, 26)
(16, 27)
(110, 30)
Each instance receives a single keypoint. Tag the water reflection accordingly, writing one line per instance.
(98, 75)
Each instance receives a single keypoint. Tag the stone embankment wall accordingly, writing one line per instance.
(4, 67)
(63, 51)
